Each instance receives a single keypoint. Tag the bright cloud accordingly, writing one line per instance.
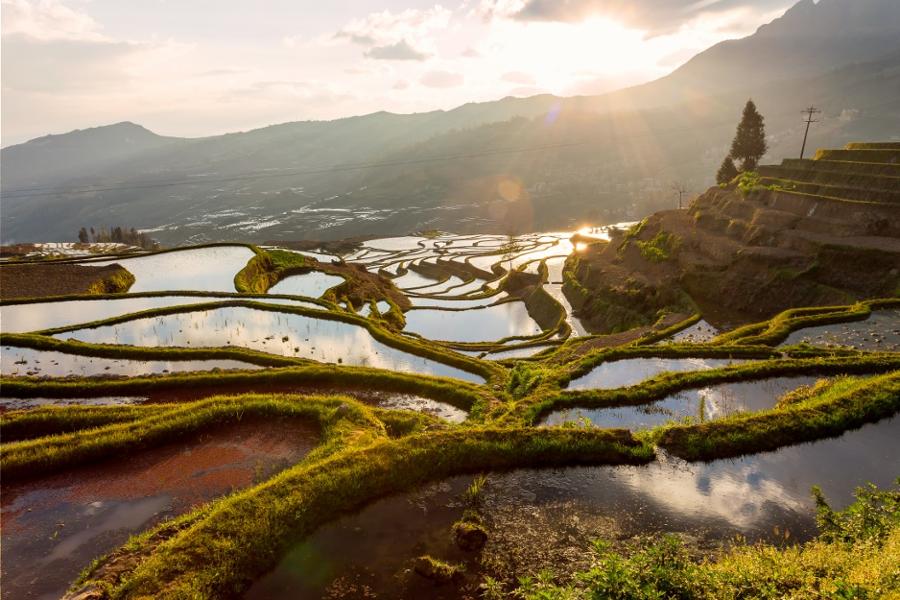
(189, 70)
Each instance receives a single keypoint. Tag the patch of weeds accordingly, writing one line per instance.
(660, 248)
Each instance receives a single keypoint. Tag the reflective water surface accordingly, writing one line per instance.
(273, 332)
(199, 269)
(881, 331)
(17, 361)
(549, 516)
(629, 371)
(53, 527)
(312, 284)
(702, 404)
(475, 325)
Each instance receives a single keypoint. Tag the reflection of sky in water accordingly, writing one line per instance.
(881, 331)
(57, 364)
(716, 401)
(17, 318)
(701, 331)
(412, 279)
(559, 510)
(273, 332)
(450, 303)
(555, 290)
(201, 269)
(396, 243)
(19, 403)
(620, 373)
(476, 325)
(312, 284)
(749, 495)
(452, 281)
(517, 353)
(441, 410)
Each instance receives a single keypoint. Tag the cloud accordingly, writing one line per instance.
(441, 79)
(411, 26)
(518, 77)
(47, 20)
(399, 51)
(654, 16)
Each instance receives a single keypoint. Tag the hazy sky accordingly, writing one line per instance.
(200, 67)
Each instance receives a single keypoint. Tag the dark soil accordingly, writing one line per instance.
(39, 280)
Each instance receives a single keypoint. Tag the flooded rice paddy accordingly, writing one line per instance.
(509, 319)
(37, 316)
(537, 519)
(55, 526)
(200, 269)
(546, 518)
(17, 362)
(312, 284)
(629, 371)
(20, 403)
(881, 332)
(698, 405)
(268, 331)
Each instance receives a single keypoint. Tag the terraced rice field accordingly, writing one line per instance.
(318, 439)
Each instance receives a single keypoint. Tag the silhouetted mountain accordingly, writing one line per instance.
(807, 40)
(842, 55)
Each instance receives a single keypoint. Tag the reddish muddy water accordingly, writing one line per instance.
(55, 526)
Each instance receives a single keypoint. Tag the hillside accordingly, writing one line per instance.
(598, 159)
(814, 232)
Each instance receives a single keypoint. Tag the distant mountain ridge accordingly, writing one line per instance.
(842, 54)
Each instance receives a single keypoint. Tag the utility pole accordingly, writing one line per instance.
(681, 190)
(810, 113)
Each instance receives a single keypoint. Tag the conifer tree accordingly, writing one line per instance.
(727, 171)
(749, 143)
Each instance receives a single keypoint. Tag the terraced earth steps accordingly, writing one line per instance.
(865, 172)
(809, 232)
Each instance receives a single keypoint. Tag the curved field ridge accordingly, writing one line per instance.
(367, 452)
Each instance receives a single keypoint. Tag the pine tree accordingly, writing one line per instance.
(727, 171)
(83, 236)
(749, 143)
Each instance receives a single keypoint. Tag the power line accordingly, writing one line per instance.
(809, 112)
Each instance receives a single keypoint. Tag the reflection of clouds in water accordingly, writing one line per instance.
(273, 332)
(312, 284)
(202, 269)
(18, 318)
(620, 373)
(58, 364)
(750, 495)
(742, 495)
(476, 325)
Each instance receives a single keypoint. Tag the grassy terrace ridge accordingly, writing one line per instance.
(162, 294)
(48, 454)
(220, 548)
(845, 405)
(461, 394)
(238, 538)
(779, 327)
(856, 554)
(664, 384)
(16, 426)
(404, 343)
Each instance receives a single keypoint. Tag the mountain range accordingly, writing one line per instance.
(517, 164)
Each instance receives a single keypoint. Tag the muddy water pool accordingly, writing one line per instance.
(54, 526)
